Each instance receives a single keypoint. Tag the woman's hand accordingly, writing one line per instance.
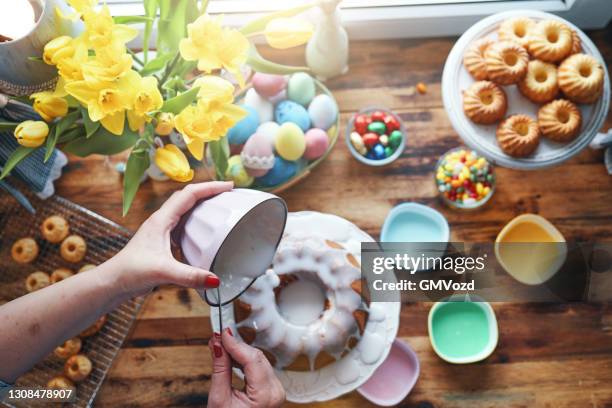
(147, 260)
(262, 389)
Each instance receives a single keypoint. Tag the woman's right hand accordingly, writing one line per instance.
(262, 389)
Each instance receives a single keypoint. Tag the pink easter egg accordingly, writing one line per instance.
(268, 85)
(258, 155)
(317, 143)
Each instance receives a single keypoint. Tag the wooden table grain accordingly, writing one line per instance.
(548, 355)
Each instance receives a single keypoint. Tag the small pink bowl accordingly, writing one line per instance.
(394, 379)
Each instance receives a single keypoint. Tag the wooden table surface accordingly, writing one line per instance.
(548, 355)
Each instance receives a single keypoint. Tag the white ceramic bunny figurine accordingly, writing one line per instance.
(328, 50)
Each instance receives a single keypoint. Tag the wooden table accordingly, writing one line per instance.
(548, 355)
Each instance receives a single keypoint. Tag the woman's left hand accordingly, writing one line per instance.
(147, 260)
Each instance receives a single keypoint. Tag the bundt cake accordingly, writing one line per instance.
(551, 41)
(540, 83)
(484, 102)
(308, 310)
(517, 29)
(518, 135)
(506, 62)
(474, 59)
(560, 120)
(581, 78)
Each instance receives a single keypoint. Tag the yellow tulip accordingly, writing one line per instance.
(49, 106)
(58, 49)
(285, 33)
(214, 47)
(31, 133)
(101, 30)
(147, 98)
(172, 161)
(165, 124)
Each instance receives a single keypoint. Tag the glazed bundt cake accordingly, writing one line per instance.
(324, 280)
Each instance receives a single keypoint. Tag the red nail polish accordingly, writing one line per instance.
(218, 351)
(229, 331)
(212, 282)
(217, 335)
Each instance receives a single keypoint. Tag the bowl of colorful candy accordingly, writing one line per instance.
(464, 179)
(376, 136)
(291, 126)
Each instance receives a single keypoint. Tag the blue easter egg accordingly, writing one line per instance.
(245, 128)
(289, 111)
(379, 152)
(282, 171)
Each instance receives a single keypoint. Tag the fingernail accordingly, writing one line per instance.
(229, 331)
(217, 335)
(212, 281)
(218, 351)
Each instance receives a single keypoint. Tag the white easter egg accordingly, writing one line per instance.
(269, 129)
(323, 112)
(264, 108)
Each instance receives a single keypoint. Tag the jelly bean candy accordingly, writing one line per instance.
(377, 127)
(395, 139)
(370, 139)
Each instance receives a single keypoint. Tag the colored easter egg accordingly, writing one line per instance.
(317, 143)
(323, 112)
(279, 97)
(237, 173)
(361, 123)
(290, 143)
(289, 111)
(391, 122)
(245, 127)
(258, 155)
(377, 127)
(370, 139)
(282, 171)
(384, 140)
(357, 142)
(264, 107)
(379, 152)
(388, 151)
(395, 138)
(269, 129)
(301, 88)
(378, 116)
(268, 85)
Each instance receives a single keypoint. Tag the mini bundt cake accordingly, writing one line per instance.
(36, 281)
(60, 274)
(70, 348)
(60, 383)
(517, 29)
(581, 78)
(560, 120)
(73, 248)
(474, 59)
(551, 41)
(518, 135)
(78, 367)
(540, 83)
(291, 338)
(24, 250)
(94, 328)
(506, 62)
(484, 102)
(576, 43)
(54, 229)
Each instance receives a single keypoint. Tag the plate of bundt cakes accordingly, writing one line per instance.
(309, 314)
(526, 89)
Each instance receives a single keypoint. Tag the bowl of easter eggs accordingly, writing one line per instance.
(375, 136)
(291, 126)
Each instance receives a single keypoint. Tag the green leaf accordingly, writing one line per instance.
(259, 25)
(132, 19)
(90, 126)
(151, 7)
(8, 126)
(60, 127)
(20, 153)
(102, 142)
(137, 164)
(260, 64)
(156, 64)
(37, 59)
(219, 151)
(178, 103)
(174, 15)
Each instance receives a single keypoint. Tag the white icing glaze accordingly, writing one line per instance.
(371, 347)
(348, 371)
(309, 259)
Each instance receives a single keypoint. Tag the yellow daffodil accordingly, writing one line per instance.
(58, 49)
(172, 161)
(109, 104)
(285, 33)
(214, 90)
(31, 133)
(71, 68)
(81, 6)
(214, 47)
(101, 31)
(165, 124)
(147, 98)
(49, 106)
(195, 126)
(110, 64)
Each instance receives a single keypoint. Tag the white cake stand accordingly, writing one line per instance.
(481, 138)
(350, 372)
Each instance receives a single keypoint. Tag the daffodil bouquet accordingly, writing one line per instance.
(109, 99)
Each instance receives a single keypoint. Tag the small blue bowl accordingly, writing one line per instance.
(371, 162)
(414, 222)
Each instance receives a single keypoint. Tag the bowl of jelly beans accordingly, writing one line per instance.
(375, 136)
(464, 179)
